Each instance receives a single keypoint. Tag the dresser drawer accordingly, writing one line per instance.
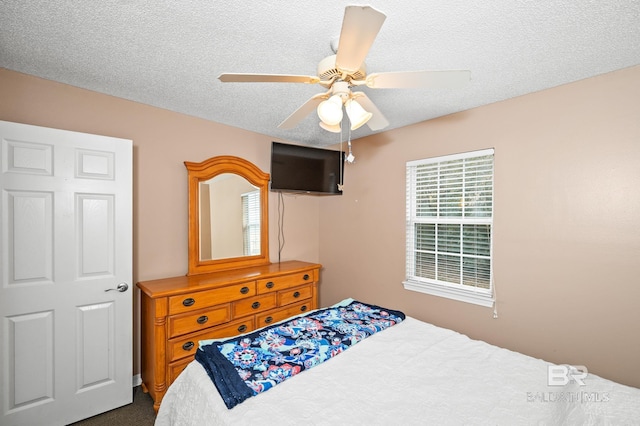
(201, 299)
(284, 281)
(272, 317)
(184, 346)
(253, 305)
(175, 368)
(295, 294)
(196, 321)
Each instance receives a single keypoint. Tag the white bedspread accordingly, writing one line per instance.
(411, 374)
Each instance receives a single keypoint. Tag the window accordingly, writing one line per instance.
(251, 222)
(449, 222)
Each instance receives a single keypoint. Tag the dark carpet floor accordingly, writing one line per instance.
(138, 413)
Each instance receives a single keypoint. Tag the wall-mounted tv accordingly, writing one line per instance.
(296, 168)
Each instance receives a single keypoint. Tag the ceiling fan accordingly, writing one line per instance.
(345, 70)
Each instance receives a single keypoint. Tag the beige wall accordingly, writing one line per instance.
(162, 140)
(566, 223)
(567, 209)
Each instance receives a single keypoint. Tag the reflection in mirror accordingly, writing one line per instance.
(229, 217)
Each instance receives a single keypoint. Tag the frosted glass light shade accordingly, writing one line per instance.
(330, 111)
(357, 115)
(335, 128)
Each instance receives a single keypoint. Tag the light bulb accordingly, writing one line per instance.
(330, 111)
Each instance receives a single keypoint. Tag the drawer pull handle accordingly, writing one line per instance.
(255, 305)
(244, 290)
(296, 294)
(188, 346)
(270, 284)
(268, 320)
(242, 328)
(189, 302)
(305, 277)
(303, 308)
(203, 319)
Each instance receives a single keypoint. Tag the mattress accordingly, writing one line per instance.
(414, 373)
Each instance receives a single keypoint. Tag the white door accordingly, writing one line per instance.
(66, 238)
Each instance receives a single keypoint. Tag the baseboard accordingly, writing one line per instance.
(137, 380)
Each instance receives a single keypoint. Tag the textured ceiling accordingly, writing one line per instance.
(168, 53)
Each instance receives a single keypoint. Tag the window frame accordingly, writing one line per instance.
(433, 286)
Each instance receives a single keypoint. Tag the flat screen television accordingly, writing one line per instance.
(296, 168)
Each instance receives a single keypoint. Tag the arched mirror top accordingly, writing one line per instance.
(228, 215)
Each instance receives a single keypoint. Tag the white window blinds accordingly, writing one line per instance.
(449, 222)
(251, 222)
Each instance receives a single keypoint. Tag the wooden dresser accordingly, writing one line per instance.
(178, 312)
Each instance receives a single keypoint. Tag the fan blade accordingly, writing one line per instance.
(377, 120)
(306, 108)
(418, 79)
(267, 78)
(360, 27)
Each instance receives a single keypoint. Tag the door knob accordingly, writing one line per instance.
(122, 287)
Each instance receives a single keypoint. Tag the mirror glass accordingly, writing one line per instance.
(229, 217)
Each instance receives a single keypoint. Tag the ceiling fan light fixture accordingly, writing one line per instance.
(358, 116)
(330, 111)
(346, 69)
(334, 128)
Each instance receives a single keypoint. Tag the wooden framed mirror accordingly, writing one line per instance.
(228, 215)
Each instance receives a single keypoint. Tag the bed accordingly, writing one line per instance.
(410, 372)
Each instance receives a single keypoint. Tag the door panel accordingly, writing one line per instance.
(30, 234)
(31, 372)
(96, 223)
(66, 238)
(28, 157)
(95, 164)
(96, 344)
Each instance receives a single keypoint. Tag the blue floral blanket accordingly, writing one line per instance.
(246, 365)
